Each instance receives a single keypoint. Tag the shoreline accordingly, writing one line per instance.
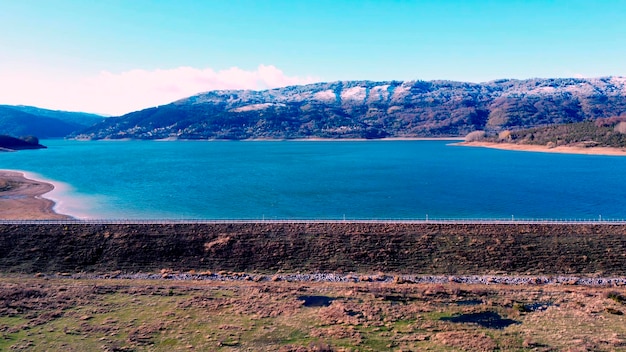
(22, 198)
(390, 139)
(312, 139)
(607, 151)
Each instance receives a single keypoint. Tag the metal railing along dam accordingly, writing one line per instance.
(434, 221)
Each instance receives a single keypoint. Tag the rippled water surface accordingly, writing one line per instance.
(322, 180)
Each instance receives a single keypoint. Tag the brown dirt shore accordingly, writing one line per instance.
(545, 149)
(456, 249)
(21, 198)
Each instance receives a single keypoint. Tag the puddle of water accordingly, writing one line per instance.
(316, 301)
(470, 302)
(12, 197)
(396, 298)
(538, 307)
(489, 320)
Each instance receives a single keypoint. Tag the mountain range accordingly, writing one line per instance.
(365, 109)
(346, 109)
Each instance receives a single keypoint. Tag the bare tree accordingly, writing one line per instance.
(475, 136)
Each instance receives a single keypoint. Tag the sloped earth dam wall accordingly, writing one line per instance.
(456, 249)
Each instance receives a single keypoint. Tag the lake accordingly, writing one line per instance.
(387, 179)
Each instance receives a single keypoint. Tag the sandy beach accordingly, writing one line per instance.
(545, 149)
(21, 198)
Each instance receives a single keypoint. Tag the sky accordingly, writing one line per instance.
(117, 56)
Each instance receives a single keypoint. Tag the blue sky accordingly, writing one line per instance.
(116, 56)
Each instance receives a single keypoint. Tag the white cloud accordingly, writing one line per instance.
(120, 93)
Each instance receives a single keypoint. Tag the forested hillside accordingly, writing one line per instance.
(365, 109)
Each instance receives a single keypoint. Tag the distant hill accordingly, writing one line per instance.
(8, 143)
(80, 118)
(365, 109)
(28, 120)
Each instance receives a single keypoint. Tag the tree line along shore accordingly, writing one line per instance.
(604, 136)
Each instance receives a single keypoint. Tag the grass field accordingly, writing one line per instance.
(44, 314)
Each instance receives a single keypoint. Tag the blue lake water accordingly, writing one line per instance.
(322, 180)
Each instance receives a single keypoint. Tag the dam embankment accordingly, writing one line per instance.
(406, 248)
